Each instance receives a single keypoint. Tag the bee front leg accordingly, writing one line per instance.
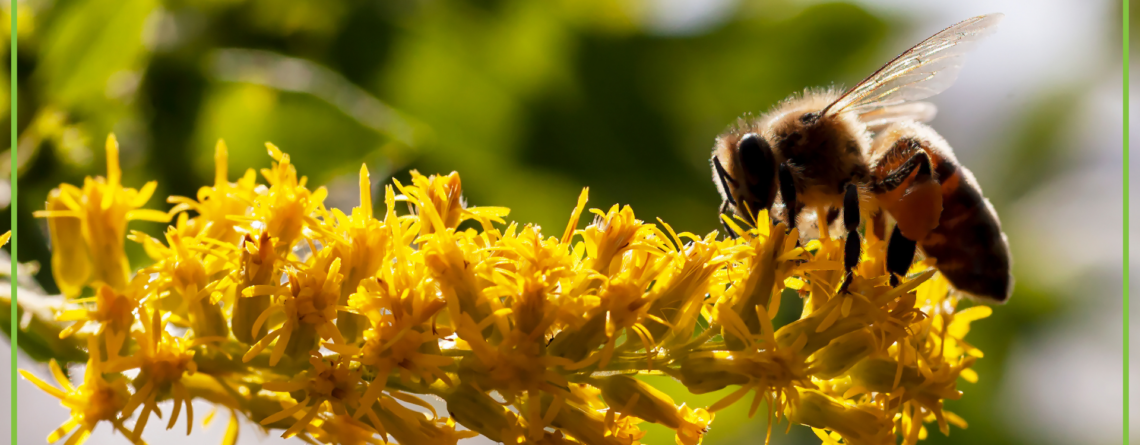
(853, 244)
(726, 193)
(727, 229)
(725, 179)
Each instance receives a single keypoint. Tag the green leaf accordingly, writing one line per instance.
(88, 43)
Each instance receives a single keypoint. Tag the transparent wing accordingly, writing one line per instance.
(879, 118)
(926, 69)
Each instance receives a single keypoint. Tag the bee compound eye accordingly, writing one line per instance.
(753, 143)
(755, 153)
(759, 167)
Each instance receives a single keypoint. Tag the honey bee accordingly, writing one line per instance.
(868, 150)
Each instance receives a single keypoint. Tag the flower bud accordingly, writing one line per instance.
(857, 424)
(480, 413)
(633, 397)
(257, 268)
(841, 354)
(585, 426)
(809, 326)
(445, 195)
(413, 428)
(619, 391)
(576, 344)
(705, 373)
(879, 375)
(70, 259)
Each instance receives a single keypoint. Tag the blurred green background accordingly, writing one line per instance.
(529, 100)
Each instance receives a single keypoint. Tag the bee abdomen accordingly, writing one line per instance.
(968, 244)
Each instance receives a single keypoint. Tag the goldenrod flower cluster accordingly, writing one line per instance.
(339, 327)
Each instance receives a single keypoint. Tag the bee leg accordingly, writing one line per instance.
(728, 199)
(724, 180)
(853, 245)
(727, 229)
(788, 193)
(900, 253)
(900, 249)
(920, 161)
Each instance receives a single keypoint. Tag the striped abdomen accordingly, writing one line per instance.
(967, 243)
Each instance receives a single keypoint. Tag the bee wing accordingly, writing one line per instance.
(878, 118)
(924, 70)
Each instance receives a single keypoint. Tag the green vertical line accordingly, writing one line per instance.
(15, 333)
(1126, 249)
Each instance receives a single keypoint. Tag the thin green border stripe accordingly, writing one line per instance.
(1126, 249)
(1125, 290)
(15, 333)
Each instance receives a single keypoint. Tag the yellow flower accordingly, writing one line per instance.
(89, 226)
(113, 311)
(692, 425)
(771, 370)
(768, 258)
(530, 279)
(309, 302)
(362, 251)
(333, 384)
(186, 269)
(624, 306)
(515, 368)
(948, 325)
(216, 205)
(162, 360)
(614, 233)
(681, 288)
(94, 401)
(442, 198)
(528, 338)
(287, 207)
(397, 339)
